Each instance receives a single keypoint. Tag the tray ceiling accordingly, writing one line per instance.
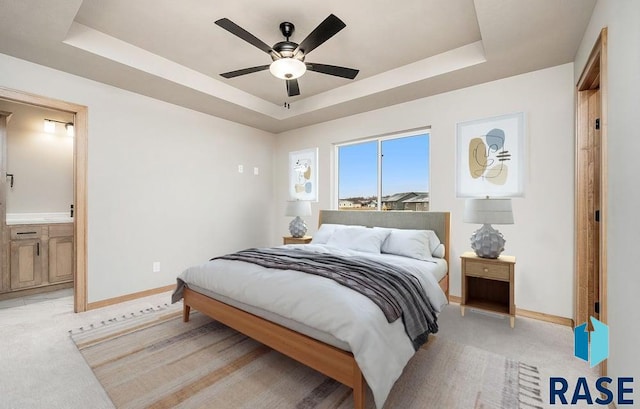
(173, 51)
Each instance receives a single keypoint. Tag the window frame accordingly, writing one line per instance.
(335, 205)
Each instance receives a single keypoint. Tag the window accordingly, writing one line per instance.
(390, 173)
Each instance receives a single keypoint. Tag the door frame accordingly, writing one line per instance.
(594, 76)
(80, 156)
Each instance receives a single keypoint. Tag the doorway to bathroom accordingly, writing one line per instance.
(42, 196)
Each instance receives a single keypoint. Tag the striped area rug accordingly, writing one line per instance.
(157, 361)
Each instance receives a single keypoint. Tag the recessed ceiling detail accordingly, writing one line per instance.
(98, 43)
(173, 51)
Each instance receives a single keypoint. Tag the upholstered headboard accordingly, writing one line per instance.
(436, 221)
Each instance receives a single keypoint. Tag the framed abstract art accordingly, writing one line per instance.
(303, 175)
(490, 157)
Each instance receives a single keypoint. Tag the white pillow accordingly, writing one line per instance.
(359, 239)
(418, 244)
(407, 243)
(325, 231)
(439, 251)
(434, 244)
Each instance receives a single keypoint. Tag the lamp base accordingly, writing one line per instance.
(487, 242)
(297, 227)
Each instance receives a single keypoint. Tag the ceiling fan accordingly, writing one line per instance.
(288, 57)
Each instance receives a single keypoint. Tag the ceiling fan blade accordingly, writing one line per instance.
(236, 30)
(325, 30)
(292, 88)
(333, 70)
(244, 71)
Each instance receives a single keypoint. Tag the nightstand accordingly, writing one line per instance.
(488, 284)
(296, 240)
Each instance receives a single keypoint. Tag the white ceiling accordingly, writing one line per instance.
(173, 51)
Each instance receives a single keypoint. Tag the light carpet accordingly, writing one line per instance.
(154, 360)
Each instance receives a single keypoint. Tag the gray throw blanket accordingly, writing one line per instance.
(397, 292)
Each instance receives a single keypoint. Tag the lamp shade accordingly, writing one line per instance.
(488, 211)
(287, 68)
(298, 208)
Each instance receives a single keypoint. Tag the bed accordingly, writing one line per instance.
(329, 350)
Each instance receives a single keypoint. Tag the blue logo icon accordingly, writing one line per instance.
(599, 344)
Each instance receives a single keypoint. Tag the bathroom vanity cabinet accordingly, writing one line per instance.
(60, 251)
(25, 257)
(40, 255)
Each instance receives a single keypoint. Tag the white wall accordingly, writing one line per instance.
(622, 18)
(162, 181)
(42, 163)
(542, 237)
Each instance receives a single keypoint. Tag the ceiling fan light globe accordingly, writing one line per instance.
(287, 68)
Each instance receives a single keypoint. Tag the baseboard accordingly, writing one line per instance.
(36, 290)
(129, 297)
(540, 316)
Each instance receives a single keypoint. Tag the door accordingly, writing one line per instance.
(60, 253)
(591, 189)
(5, 280)
(589, 175)
(26, 263)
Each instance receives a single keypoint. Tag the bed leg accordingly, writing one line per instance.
(186, 309)
(358, 388)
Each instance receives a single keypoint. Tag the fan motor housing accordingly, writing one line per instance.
(285, 49)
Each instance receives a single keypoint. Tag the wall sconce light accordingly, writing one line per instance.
(70, 129)
(50, 126)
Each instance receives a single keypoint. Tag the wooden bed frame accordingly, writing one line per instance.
(327, 359)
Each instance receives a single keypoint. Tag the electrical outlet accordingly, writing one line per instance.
(240, 169)
(156, 266)
(256, 171)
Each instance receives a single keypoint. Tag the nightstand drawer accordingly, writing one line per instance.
(487, 270)
(296, 240)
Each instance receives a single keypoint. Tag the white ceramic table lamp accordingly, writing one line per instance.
(297, 208)
(487, 241)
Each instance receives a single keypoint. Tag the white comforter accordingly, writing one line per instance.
(381, 349)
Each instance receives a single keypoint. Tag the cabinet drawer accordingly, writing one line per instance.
(61, 230)
(26, 232)
(487, 270)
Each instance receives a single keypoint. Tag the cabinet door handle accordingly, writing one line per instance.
(486, 270)
(37, 249)
(27, 232)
